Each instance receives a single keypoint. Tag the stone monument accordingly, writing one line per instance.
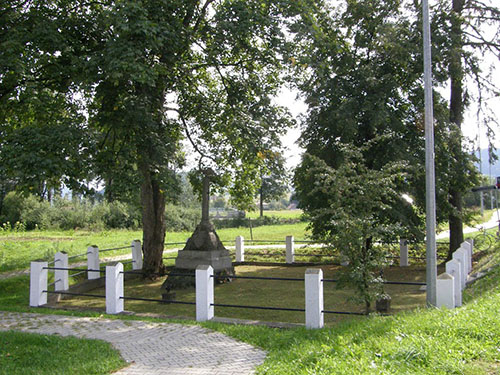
(202, 248)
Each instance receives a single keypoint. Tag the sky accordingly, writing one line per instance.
(470, 128)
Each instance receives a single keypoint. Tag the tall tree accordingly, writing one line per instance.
(474, 29)
(43, 138)
(152, 72)
(273, 177)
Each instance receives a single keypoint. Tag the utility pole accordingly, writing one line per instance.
(430, 178)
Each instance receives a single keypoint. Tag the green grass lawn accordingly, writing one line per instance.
(465, 340)
(264, 293)
(33, 354)
(18, 249)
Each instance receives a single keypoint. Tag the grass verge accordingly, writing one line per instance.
(33, 354)
(465, 340)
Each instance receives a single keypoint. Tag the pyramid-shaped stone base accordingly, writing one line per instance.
(203, 248)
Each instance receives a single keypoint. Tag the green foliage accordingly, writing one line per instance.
(30, 354)
(33, 213)
(352, 206)
(180, 218)
(11, 208)
(148, 74)
(274, 177)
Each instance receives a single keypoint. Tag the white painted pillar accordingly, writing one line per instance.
(453, 268)
(445, 291)
(114, 288)
(38, 283)
(290, 251)
(314, 298)
(93, 262)
(468, 267)
(61, 277)
(403, 252)
(204, 293)
(136, 255)
(471, 242)
(459, 255)
(240, 249)
(468, 247)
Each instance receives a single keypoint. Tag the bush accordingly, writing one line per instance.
(35, 213)
(258, 222)
(179, 218)
(120, 215)
(11, 208)
(75, 214)
(31, 213)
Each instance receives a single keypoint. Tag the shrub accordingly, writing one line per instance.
(120, 215)
(11, 208)
(179, 218)
(35, 213)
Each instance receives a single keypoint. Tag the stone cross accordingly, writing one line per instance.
(208, 174)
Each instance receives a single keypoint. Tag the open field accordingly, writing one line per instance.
(17, 249)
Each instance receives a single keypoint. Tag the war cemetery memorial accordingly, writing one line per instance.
(249, 187)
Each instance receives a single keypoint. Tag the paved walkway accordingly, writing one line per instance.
(492, 223)
(150, 348)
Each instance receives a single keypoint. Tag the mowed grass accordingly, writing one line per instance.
(464, 340)
(265, 293)
(18, 249)
(33, 354)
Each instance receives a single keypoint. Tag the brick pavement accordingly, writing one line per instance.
(150, 348)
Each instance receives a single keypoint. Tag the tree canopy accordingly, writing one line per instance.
(148, 74)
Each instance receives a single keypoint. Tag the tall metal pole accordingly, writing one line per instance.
(430, 178)
(481, 196)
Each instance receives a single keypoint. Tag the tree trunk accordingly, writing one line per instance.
(153, 222)
(261, 202)
(108, 193)
(457, 107)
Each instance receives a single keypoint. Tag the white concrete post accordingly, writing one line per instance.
(468, 247)
(61, 277)
(38, 283)
(314, 298)
(290, 251)
(114, 288)
(471, 242)
(445, 291)
(459, 255)
(453, 268)
(136, 255)
(93, 262)
(403, 252)
(204, 293)
(240, 249)
(466, 252)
